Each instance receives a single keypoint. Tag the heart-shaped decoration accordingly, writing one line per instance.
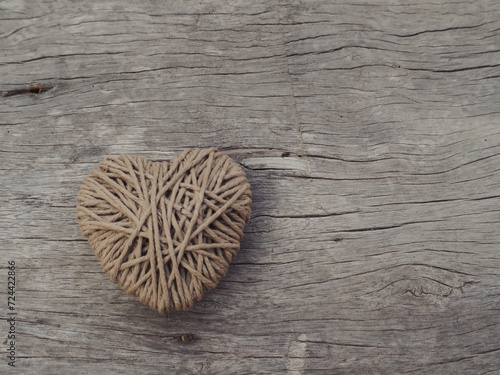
(166, 231)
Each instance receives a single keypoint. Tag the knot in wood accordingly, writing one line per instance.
(166, 231)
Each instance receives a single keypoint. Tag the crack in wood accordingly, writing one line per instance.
(33, 89)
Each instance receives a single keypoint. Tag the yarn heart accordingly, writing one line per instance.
(166, 231)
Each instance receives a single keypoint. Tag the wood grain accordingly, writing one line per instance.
(370, 135)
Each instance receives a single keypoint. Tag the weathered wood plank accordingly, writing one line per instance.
(369, 133)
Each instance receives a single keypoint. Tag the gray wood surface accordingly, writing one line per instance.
(370, 132)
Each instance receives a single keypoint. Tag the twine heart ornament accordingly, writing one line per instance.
(166, 231)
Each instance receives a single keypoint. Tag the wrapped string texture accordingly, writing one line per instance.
(166, 231)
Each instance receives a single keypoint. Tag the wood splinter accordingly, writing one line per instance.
(33, 89)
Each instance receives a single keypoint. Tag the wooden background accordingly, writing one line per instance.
(370, 132)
